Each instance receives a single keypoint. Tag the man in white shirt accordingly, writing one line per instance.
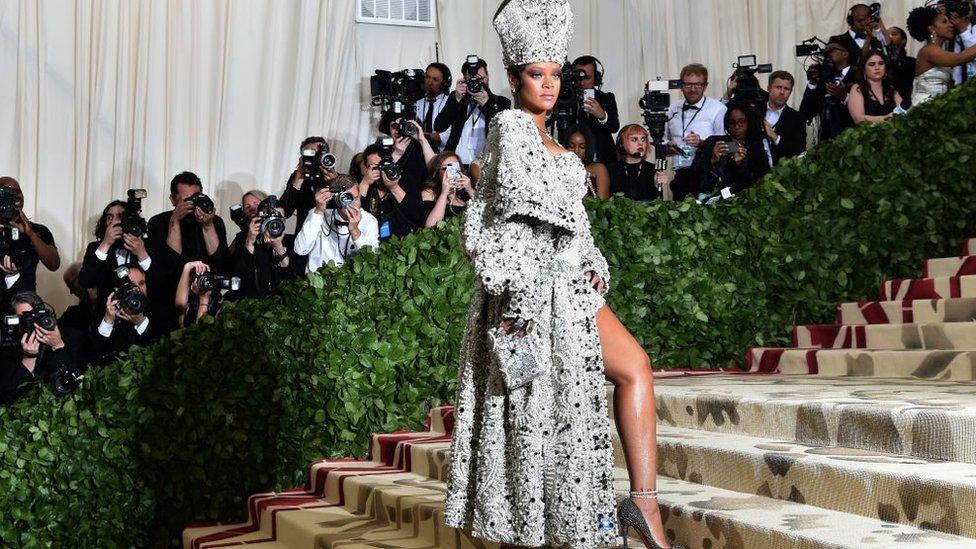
(691, 120)
(332, 233)
(437, 85)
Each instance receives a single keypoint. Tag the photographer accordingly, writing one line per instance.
(200, 293)
(32, 351)
(691, 121)
(113, 247)
(826, 93)
(23, 249)
(469, 111)
(856, 38)
(784, 128)
(599, 113)
(632, 175)
(337, 227)
(736, 160)
(437, 89)
(960, 14)
(259, 259)
(446, 193)
(192, 231)
(128, 319)
(395, 205)
(299, 194)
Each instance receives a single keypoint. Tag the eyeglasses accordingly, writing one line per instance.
(694, 85)
(739, 122)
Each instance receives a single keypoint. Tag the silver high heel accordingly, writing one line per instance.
(630, 516)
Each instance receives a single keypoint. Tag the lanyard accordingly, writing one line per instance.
(684, 127)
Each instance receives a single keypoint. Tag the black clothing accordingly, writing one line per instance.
(125, 335)
(792, 132)
(606, 149)
(100, 275)
(902, 72)
(834, 116)
(80, 316)
(727, 173)
(635, 181)
(413, 168)
(168, 265)
(25, 257)
(455, 113)
(297, 201)
(15, 380)
(259, 271)
(874, 107)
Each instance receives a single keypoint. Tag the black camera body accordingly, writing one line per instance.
(209, 282)
(407, 84)
(823, 70)
(314, 161)
(389, 168)
(16, 326)
(875, 12)
(9, 209)
(747, 85)
(272, 222)
(203, 203)
(127, 295)
(474, 84)
(132, 221)
(404, 111)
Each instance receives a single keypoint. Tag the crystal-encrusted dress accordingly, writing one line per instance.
(532, 460)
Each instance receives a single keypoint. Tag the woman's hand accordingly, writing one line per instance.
(597, 282)
(740, 155)
(720, 150)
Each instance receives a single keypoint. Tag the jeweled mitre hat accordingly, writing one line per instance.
(534, 31)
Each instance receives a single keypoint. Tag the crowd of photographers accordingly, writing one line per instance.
(142, 279)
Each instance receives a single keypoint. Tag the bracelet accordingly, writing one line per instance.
(31, 355)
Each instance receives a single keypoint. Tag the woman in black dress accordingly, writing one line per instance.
(874, 97)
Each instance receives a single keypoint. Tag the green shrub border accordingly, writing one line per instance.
(184, 430)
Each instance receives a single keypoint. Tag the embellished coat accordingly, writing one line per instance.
(532, 457)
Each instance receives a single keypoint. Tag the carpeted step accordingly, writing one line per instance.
(938, 335)
(959, 365)
(706, 517)
(921, 311)
(934, 494)
(928, 288)
(969, 247)
(949, 266)
(921, 418)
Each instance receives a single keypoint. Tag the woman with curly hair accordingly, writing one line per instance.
(933, 65)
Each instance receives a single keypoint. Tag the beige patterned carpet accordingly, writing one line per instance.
(872, 446)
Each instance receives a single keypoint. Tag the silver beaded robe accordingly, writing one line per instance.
(532, 457)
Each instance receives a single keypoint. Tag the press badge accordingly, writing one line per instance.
(385, 229)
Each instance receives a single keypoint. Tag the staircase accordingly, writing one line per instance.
(870, 444)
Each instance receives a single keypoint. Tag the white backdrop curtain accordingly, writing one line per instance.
(98, 96)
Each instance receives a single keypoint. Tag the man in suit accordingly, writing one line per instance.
(785, 130)
(599, 114)
(901, 65)
(828, 99)
(468, 112)
(858, 22)
(120, 328)
(437, 87)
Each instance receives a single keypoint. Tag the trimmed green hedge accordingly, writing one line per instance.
(184, 430)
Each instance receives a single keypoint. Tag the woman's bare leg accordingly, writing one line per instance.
(629, 368)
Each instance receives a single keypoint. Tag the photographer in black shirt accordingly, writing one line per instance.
(599, 113)
(23, 243)
(258, 258)
(192, 231)
(128, 319)
(31, 351)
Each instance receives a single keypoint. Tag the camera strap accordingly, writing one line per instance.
(684, 126)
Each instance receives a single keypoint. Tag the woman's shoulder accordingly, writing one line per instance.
(512, 118)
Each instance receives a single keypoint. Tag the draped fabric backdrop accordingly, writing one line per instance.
(98, 96)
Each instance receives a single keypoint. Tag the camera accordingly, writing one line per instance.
(875, 12)
(237, 216)
(202, 202)
(569, 108)
(655, 104)
(475, 85)
(385, 86)
(127, 295)
(16, 326)
(272, 222)
(9, 245)
(747, 85)
(342, 197)
(823, 70)
(132, 221)
(209, 282)
(387, 165)
(314, 161)
(403, 111)
(65, 380)
(8, 204)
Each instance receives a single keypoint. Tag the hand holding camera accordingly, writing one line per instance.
(837, 91)
(353, 217)
(322, 198)
(182, 210)
(8, 266)
(480, 97)
(112, 235)
(593, 107)
(195, 269)
(135, 245)
(114, 308)
(203, 217)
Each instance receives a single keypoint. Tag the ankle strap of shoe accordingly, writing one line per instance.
(644, 494)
